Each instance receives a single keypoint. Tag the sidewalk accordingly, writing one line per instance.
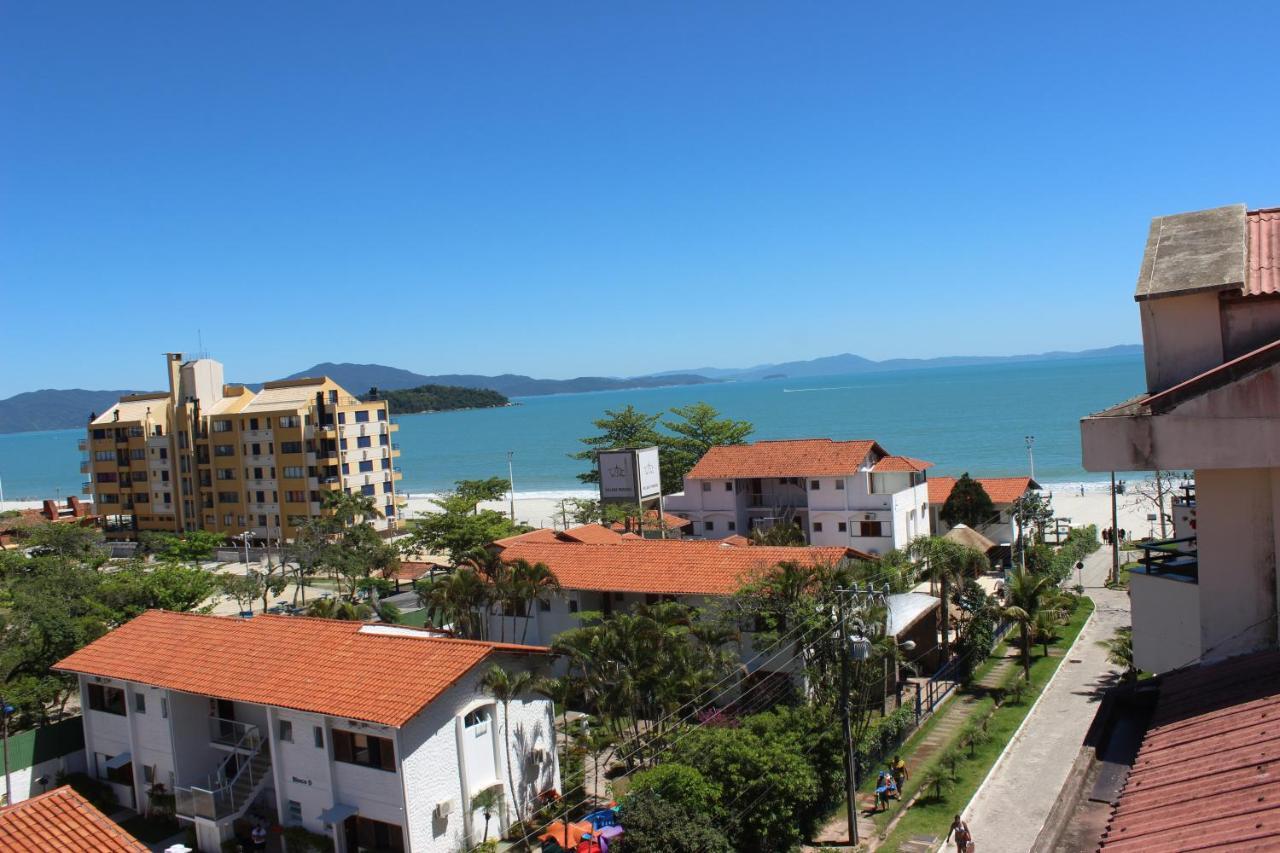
(1009, 810)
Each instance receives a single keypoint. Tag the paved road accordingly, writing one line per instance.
(1011, 807)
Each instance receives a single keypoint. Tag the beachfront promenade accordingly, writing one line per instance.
(1009, 810)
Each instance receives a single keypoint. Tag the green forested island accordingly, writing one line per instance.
(437, 398)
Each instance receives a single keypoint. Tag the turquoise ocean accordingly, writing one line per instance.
(960, 418)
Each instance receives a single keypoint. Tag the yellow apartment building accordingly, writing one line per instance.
(209, 456)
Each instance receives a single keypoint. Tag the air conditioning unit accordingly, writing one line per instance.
(443, 809)
(869, 516)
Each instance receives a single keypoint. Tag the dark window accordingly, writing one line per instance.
(844, 527)
(362, 416)
(107, 699)
(122, 775)
(839, 485)
(382, 414)
(369, 489)
(706, 487)
(815, 485)
(366, 465)
(317, 733)
(364, 441)
(342, 417)
(709, 525)
(733, 525)
(140, 703)
(286, 731)
(366, 750)
(291, 447)
(373, 836)
(817, 527)
(871, 528)
(573, 606)
(728, 487)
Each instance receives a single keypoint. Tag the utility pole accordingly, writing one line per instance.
(511, 479)
(1115, 541)
(1031, 454)
(850, 767)
(5, 710)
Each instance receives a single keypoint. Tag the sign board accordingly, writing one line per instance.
(629, 475)
(650, 473)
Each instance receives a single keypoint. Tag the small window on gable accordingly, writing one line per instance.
(815, 485)
(708, 525)
(839, 485)
(817, 527)
(733, 525)
(140, 703)
(728, 487)
(317, 732)
(286, 731)
(843, 527)
(706, 487)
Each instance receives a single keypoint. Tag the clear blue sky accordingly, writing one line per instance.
(601, 188)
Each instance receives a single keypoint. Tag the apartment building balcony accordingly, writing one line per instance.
(392, 426)
(86, 488)
(1164, 597)
(82, 444)
(252, 435)
(777, 501)
(86, 466)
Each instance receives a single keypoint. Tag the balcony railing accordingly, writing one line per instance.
(235, 782)
(1174, 558)
(228, 732)
(82, 444)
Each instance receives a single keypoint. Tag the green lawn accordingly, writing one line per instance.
(931, 815)
(416, 618)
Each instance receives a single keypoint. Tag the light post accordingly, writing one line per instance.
(1031, 454)
(857, 647)
(511, 480)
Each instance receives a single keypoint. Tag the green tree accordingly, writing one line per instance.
(333, 608)
(487, 801)
(506, 687)
(68, 544)
(457, 527)
(137, 587)
(194, 546)
(678, 784)
(1024, 593)
(657, 826)
(968, 504)
(946, 563)
(622, 428)
(243, 589)
(1032, 510)
(477, 491)
(785, 532)
(1120, 652)
(695, 430)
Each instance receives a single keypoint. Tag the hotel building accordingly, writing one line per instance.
(209, 456)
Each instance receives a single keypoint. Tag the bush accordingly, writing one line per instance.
(679, 785)
(769, 793)
(656, 826)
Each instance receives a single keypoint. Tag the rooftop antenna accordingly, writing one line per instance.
(200, 343)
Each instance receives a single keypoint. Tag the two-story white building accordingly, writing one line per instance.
(849, 494)
(1209, 298)
(377, 736)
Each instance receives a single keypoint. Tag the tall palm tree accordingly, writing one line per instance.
(530, 584)
(505, 687)
(946, 562)
(459, 600)
(1023, 594)
(488, 800)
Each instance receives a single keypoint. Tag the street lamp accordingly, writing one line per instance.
(1031, 454)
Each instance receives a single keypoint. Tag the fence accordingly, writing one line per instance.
(37, 756)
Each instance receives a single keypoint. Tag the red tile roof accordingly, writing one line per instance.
(672, 522)
(318, 665)
(60, 821)
(542, 534)
(900, 464)
(592, 534)
(1001, 490)
(808, 457)
(1263, 273)
(668, 567)
(1208, 774)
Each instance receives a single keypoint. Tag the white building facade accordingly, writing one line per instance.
(849, 494)
(379, 776)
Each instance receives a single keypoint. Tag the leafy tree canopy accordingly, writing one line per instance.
(968, 504)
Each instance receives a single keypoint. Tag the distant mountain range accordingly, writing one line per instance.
(64, 409)
(835, 365)
(359, 378)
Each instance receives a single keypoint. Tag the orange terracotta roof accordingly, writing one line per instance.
(1263, 275)
(1208, 774)
(591, 534)
(671, 522)
(318, 665)
(668, 567)
(737, 540)
(60, 821)
(807, 457)
(542, 534)
(1001, 490)
(900, 464)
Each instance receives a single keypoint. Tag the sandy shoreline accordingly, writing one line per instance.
(544, 508)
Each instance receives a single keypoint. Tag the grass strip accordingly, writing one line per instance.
(931, 815)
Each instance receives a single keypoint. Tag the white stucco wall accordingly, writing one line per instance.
(1181, 337)
(1166, 622)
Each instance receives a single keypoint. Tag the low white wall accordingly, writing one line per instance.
(1166, 622)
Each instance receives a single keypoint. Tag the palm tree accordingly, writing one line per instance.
(536, 584)
(488, 800)
(1045, 628)
(1023, 592)
(459, 600)
(1120, 652)
(505, 687)
(946, 562)
(332, 608)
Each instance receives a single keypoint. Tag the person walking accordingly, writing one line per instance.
(964, 839)
(899, 769)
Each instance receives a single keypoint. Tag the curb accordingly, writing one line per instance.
(967, 813)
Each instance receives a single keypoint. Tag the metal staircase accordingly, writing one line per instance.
(237, 781)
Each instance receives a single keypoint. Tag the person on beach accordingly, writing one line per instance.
(964, 840)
